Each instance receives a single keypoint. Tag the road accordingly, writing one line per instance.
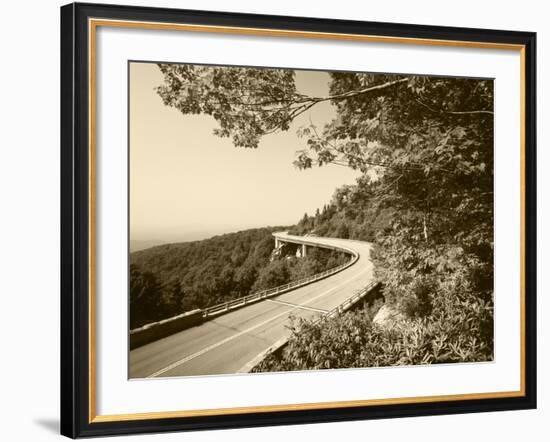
(229, 342)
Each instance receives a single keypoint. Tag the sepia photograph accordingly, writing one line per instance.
(290, 220)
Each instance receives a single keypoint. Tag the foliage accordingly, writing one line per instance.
(234, 97)
(351, 340)
(354, 212)
(144, 299)
(273, 274)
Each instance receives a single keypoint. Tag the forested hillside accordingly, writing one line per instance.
(170, 279)
(354, 212)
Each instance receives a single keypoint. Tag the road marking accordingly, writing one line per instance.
(248, 330)
(304, 307)
(217, 344)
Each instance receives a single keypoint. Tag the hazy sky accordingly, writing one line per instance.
(186, 183)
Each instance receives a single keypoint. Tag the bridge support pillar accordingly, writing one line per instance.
(304, 250)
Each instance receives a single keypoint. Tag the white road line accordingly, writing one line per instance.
(217, 344)
(301, 306)
(248, 330)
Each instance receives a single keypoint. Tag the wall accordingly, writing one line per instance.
(29, 170)
(166, 327)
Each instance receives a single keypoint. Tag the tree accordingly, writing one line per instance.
(245, 278)
(172, 298)
(145, 297)
(247, 103)
(343, 231)
(275, 274)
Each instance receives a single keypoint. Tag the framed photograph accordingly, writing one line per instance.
(274, 220)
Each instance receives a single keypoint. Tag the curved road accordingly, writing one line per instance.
(228, 343)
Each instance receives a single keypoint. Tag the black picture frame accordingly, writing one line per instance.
(76, 403)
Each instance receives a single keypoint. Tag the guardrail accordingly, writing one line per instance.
(351, 301)
(156, 330)
(263, 294)
(281, 343)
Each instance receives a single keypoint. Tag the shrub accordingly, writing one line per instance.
(458, 329)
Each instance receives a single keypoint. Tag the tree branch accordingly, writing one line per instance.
(361, 91)
(435, 111)
(309, 102)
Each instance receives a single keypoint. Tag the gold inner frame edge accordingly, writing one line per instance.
(93, 24)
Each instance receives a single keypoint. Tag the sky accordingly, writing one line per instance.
(187, 184)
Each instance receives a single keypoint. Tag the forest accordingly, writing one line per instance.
(424, 145)
(174, 278)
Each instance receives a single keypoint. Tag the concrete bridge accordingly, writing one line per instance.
(230, 342)
(279, 243)
(342, 245)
